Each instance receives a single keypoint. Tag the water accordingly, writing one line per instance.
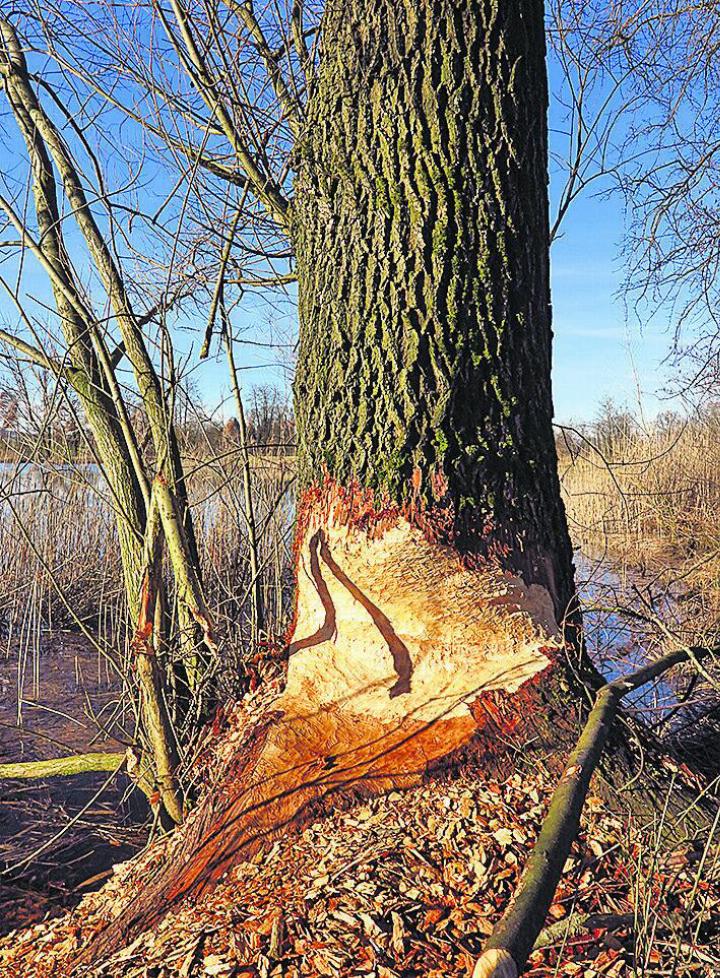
(61, 836)
(620, 643)
(58, 537)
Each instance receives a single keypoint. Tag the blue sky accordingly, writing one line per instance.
(599, 352)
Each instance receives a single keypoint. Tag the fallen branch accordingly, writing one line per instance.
(507, 950)
(63, 766)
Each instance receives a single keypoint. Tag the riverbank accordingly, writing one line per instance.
(60, 837)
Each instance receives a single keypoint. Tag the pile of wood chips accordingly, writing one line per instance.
(409, 884)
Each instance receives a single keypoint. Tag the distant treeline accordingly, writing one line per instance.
(34, 430)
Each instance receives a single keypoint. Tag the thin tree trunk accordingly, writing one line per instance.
(92, 376)
(256, 601)
(507, 950)
(41, 132)
(61, 767)
(144, 646)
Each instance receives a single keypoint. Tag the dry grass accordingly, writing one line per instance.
(67, 676)
(648, 498)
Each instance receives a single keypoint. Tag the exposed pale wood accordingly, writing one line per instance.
(396, 627)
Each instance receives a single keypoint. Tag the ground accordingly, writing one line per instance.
(407, 885)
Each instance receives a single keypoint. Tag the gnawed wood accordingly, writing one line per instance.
(161, 764)
(184, 566)
(398, 644)
(496, 964)
(399, 627)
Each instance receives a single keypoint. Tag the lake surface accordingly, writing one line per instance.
(619, 643)
(60, 836)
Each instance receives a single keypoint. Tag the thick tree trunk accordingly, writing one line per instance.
(435, 568)
(422, 240)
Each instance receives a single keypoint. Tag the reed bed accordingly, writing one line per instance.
(642, 503)
(60, 562)
(67, 676)
(647, 497)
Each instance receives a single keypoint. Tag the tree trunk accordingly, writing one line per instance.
(435, 576)
(421, 228)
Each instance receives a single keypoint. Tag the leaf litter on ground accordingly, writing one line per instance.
(406, 884)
